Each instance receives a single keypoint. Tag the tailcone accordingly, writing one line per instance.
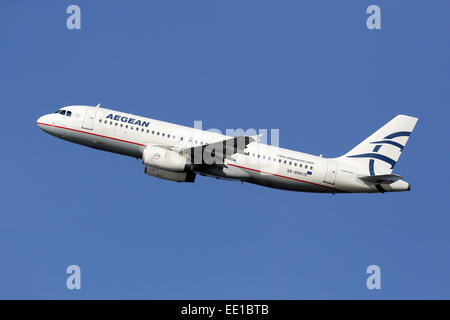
(399, 185)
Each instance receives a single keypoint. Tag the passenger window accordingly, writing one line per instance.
(121, 125)
(295, 163)
(116, 124)
(290, 162)
(300, 165)
(100, 120)
(163, 134)
(126, 126)
(310, 168)
(168, 136)
(153, 132)
(110, 123)
(157, 133)
(285, 161)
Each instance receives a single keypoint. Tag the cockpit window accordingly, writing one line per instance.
(64, 112)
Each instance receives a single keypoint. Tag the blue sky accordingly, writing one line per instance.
(309, 68)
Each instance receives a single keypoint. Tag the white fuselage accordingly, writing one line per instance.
(261, 164)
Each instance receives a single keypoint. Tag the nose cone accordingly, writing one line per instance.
(39, 122)
(43, 122)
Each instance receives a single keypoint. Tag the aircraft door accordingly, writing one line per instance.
(89, 118)
(330, 176)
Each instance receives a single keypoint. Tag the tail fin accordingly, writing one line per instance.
(380, 152)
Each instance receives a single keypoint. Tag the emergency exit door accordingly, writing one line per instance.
(330, 176)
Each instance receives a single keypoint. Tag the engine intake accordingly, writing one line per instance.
(166, 164)
(163, 159)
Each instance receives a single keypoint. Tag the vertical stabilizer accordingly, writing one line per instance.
(381, 151)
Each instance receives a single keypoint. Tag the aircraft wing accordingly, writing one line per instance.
(381, 178)
(220, 150)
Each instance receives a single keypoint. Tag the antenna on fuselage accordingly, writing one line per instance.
(98, 106)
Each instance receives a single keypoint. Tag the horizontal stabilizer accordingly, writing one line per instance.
(381, 178)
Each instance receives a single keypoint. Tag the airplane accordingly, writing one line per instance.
(178, 153)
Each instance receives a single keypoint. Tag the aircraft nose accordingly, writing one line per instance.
(39, 121)
(43, 121)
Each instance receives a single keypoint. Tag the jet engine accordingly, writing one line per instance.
(187, 176)
(163, 159)
(166, 164)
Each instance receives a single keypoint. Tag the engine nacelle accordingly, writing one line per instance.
(163, 159)
(187, 176)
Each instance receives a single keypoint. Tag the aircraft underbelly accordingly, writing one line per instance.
(284, 183)
(102, 143)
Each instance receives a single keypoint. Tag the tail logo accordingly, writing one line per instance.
(375, 155)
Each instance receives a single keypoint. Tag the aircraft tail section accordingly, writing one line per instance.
(381, 151)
